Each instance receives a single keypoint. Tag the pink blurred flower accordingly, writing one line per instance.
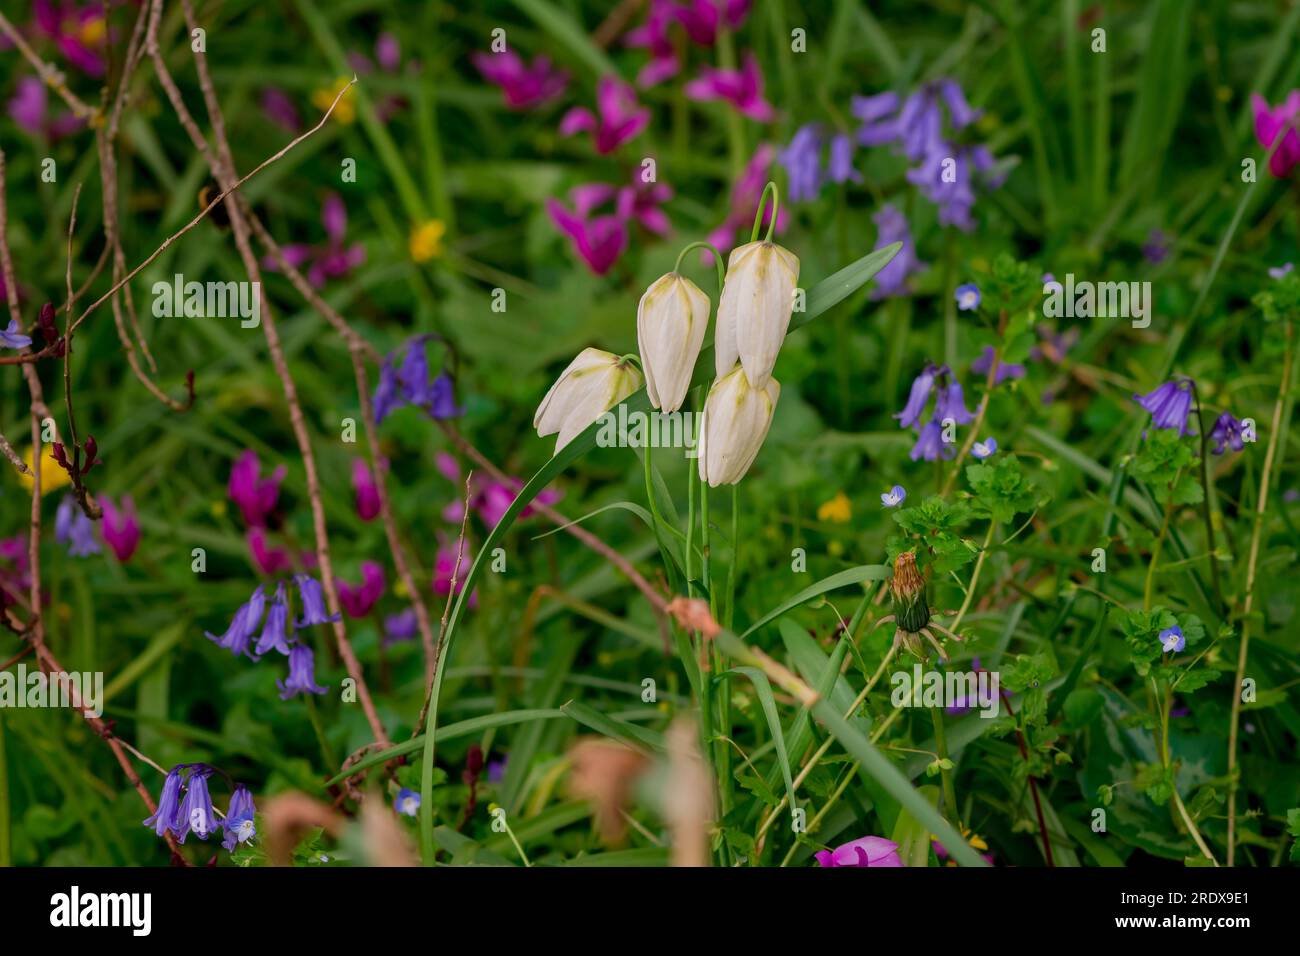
(279, 108)
(620, 118)
(700, 18)
(332, 260)
(867, 851)
(742, 88)
(488, 497)
(79, 32)
(255, 496)
(1269, 122)
(367, 491)
(388, 57)
(653, 36)
(445, 567)
(268, 560)
(29, 108)
(121, 528)
(523, 86)
(357, 601)
(601, 239)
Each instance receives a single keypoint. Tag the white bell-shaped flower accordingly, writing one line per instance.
(671, 319)
(735, 422)
(754, 312)
(593, 383)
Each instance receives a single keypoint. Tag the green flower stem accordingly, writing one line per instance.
(945, 775)
(1252, 564)
(1159, 545)
(1205, 503)
(973, 435)
(717, 259)
(1162, 700)
(735, 557)
(758, 216)
(705, 578)
(974, 579)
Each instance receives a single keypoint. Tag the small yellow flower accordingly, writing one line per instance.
(426, 240)
(93, 32)
(835, 547)
(346, 111)
(218, 508)
(837, 510)
(52, 474)
(399, 588)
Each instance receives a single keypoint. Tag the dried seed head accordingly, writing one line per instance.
(908, 590)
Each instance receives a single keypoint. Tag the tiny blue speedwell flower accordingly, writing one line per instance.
(893, 497)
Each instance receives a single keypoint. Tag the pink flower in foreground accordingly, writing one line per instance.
(1269, 122)
(357, 601)
(867, 851)
(121, 528)
(742, 88)
(445, 567)
(620, 117)
(255, 496)
(332, 260)
(367, 491)
(601, 239)
(523, 86)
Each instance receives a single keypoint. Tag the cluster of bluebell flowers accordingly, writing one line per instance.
(185, 807)
(1170, 405)
(279, 631)
(949, 405)
(409, 384)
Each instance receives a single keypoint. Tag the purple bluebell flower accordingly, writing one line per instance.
(409, 384)
(1169, 404)
(1277, 272)
(496, 769)
(275, 635)
(840, 168)
(894, 497)
(164, 818)
(1156, 248)
(238, 826)
(1226, 431)
(967, 296)
(949, 403)
(983, 449)
(802, 162)
(313, 602)
(960, 112)
(302, 674)
(401, 626)
(407, 802)
(196, 814)
(879, 124)
(11, 338)
(920, 125)
(930, 445)
(1005, 370)
(244, 623)
(918, 396)
(892, 227)
(73, 528)
(1171, 639)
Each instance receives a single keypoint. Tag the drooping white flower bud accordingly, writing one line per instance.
(593, 383)
(670, 322)
(754, 312)
(735, 422)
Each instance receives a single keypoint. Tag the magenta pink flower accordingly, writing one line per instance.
(367, 491)
(268, 560)
(332, 260)
(653, 36)
(867, 851)
(29, 108)
(620, 118)
(488, 498)
(742, 88)
(79, 32)
(601, 239)
(1269, 122)
(745, 196)
(121, 528)
(700, 18)
(280, 110)
(523, 86)
(445, 568)
(357, 601)
(388, 56)
(255, 496)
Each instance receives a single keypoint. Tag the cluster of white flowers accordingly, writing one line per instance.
(671, 319)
